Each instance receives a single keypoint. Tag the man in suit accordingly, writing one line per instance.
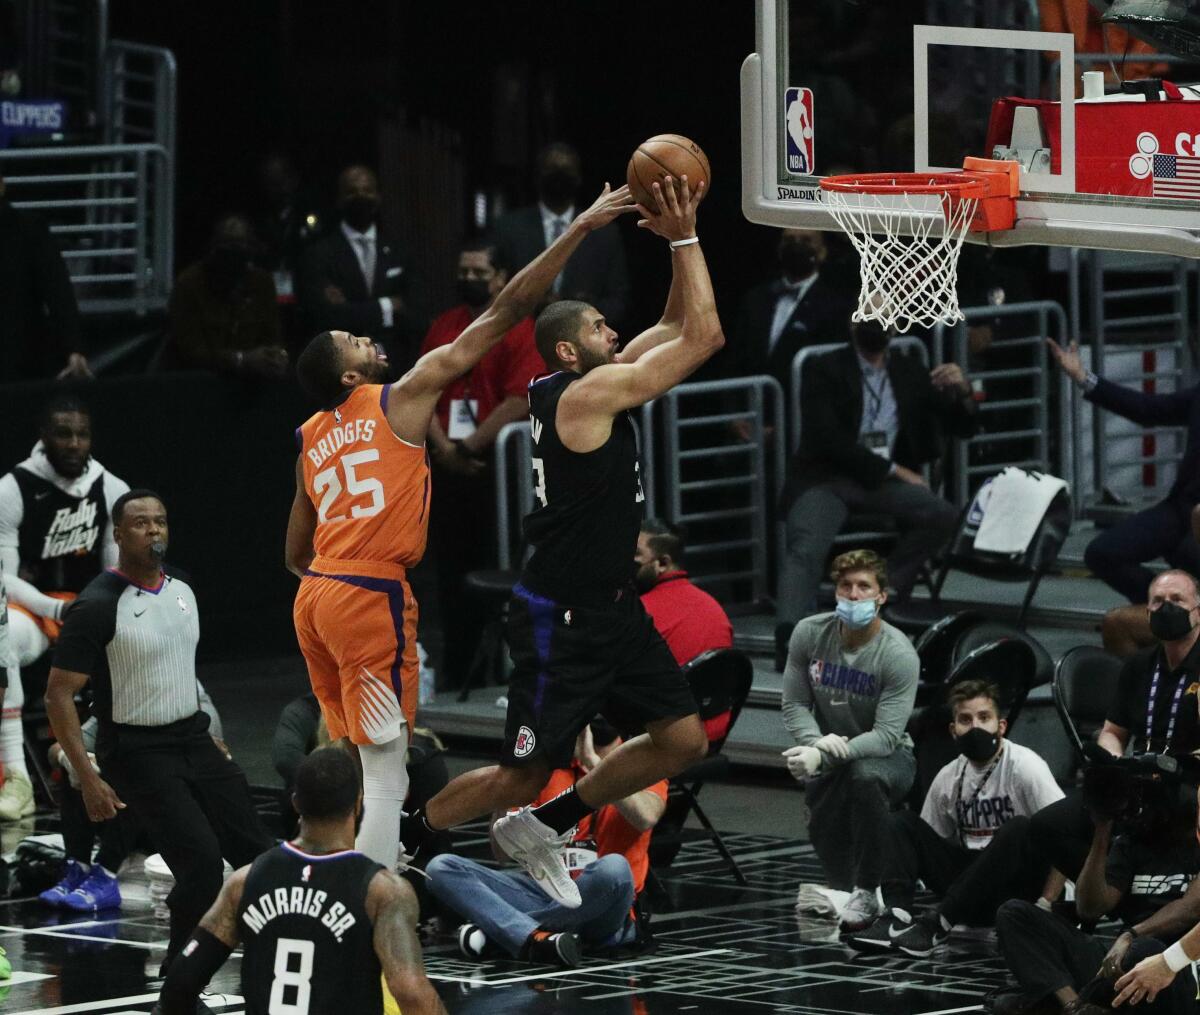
(39, 317)
(597, 273)
(1118, 555)
(806, 304)
(870, 421)
(356, 280)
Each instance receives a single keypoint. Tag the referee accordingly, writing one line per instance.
(133, 632)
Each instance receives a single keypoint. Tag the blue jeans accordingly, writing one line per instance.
(508, 906)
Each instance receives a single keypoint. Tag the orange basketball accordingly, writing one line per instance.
(663, 155)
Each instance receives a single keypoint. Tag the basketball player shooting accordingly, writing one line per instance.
(581, 642)
(360, 517)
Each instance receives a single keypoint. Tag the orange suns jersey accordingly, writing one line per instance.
(370, 488)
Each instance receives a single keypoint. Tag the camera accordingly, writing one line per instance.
(1141, 792)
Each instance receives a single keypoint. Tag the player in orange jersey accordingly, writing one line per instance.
(359, 520)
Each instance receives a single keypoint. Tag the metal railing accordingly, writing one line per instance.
(1146, 306)
(723, 489)
(64, 53)
(1016, 428)
(110, 207)
(513, 455)
(140, 88)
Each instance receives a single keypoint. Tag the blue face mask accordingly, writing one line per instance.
(856, 613)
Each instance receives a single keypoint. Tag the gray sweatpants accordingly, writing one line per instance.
(849, 812)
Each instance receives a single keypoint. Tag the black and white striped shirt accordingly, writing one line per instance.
(138, 646)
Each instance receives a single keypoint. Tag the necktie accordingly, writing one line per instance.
(367, 246)
(558, 226)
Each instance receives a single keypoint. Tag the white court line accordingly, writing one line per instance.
(577, 971)
(19, 977)
(64, 932)
(67, 1009)
(953, 1011)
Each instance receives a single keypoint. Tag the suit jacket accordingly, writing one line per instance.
(596, 273)
(39, 316)
(823, 315)
(1180, 408)
(831, 407)
(332, 261)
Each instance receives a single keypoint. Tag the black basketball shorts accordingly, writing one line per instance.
(572, 662)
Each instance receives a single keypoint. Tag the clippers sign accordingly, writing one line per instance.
(30, 116)
(798, 112)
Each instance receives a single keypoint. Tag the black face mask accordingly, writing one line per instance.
(977, 744)
(558, 186)
(871, 337)
(1170, 622)
(474, 292)
(796, 260)
(359, 213)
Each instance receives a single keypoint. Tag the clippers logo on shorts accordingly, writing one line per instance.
(73, 530)
(801, 149)
(836, 677)
(525, 742)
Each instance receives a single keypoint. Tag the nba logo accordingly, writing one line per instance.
(306, 873)
(798, 111)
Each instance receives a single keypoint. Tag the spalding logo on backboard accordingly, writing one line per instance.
(801, 150)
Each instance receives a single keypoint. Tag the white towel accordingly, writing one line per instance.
(1016, 504)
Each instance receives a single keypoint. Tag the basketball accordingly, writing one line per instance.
(665, 155)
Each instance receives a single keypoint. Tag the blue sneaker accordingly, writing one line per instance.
(97, 891)
(73, 877)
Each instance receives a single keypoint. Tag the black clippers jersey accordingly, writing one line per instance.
(309, 947)
(584, 530)
(61, 536)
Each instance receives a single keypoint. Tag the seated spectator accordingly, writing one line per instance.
(39, 315)
(870, 422)
(806, 303)
(1154, 711)
(355, 278)
(975, 803)
(288, 220)
(470, 413)
(89, 884)
(1118, 555)
(609, 862)
(689, 619)
(848, 692)
(597, 273)
(1146, 879)
(222, 311)
(1126, 630)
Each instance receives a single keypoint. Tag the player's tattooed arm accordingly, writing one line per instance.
(392, 907)
(221, 919)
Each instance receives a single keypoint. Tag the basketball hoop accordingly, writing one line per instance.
(908, 229)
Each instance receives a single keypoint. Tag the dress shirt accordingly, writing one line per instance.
(879, 403)
(553, 226)
(363, 245)
(785, 306)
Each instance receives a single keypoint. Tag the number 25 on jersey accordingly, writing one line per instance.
(329, 486)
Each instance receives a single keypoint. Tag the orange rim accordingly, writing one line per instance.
(960, 185)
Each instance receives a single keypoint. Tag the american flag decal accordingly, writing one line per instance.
(1176, 176)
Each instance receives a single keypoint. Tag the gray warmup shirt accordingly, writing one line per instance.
(866, 695)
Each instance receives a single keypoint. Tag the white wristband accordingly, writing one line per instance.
(684, 243)
(1176, 958)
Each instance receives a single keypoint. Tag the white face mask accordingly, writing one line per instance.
(856, 613)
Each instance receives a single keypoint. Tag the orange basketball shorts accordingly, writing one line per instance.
(356, 622)
(50, 628)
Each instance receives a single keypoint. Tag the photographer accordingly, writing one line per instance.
(1154, 711)
(1145, 877)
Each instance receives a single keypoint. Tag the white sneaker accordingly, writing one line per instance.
(817, 900)
(16, 797)
(862, 910)
(541, 851)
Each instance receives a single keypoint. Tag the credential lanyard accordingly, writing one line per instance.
(1175, 700)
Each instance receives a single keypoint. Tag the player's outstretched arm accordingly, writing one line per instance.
(610, 389)
(393, 909)
(421, 387)
(205, 952)
(302, 525)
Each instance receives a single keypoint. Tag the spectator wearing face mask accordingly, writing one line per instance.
(871, 421)
(223, 314)
(356, 279)
(848, 692)
(957, 845)
(597, 273)
(807, 303)
(470, 414)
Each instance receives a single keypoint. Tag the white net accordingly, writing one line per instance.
(907, 280)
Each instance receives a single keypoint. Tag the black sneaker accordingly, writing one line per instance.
(923, 936)
(554, 948)
(882, 934)
(475, 944)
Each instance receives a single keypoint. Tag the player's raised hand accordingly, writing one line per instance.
(675, 217)
(608, 206)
